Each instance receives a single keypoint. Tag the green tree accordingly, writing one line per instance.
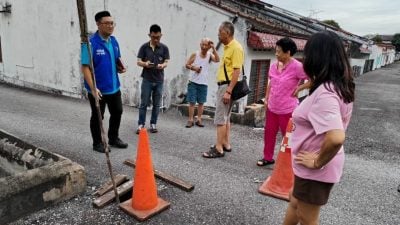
(377, 39)
(332, 23)
(396, 41)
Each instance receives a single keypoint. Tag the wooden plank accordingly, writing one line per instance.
(166, 177)
(107, 198)
(119, 179)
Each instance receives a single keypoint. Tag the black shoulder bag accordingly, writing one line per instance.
(241, 88)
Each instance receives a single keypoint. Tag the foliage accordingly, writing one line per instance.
(396, 41)
(332, 23)
(377, 39)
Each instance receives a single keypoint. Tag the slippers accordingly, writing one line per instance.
(213, 153)
(223, 147)
(264, 162)
(199, 124)
(189, 124)
(227, 149)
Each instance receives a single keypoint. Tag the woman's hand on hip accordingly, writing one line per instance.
(306, 159)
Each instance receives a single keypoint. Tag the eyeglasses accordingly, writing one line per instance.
(110, 24)
(156, 37)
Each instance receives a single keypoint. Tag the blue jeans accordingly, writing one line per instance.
(153, 89)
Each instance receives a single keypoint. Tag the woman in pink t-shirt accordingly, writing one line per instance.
(320, 122)
(285, 75)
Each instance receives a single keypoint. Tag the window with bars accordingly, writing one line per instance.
(258, 80)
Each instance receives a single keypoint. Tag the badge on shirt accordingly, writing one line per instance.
(100, 52)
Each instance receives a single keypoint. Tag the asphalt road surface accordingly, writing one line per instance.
(226, 188)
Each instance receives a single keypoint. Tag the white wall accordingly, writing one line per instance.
(41, 42)
(392, 56)
(183, 24)
(358, 62)
(376, 55)
(381, 57)
(397, 56)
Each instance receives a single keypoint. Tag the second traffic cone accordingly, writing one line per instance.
(145, 202)
(280, 183)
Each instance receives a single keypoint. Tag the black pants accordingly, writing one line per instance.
(114, 104)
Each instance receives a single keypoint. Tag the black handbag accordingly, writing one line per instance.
(241, 88)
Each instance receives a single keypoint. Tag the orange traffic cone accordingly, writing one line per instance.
(280, 183)
(144, 202)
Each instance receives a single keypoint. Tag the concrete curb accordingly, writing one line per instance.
(31, 189)
(254, 114)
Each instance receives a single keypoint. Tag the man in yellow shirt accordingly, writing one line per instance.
(231, 64)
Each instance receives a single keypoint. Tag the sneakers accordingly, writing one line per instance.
(118, 143)
(153, 128)
(99, 148)
(139, 128)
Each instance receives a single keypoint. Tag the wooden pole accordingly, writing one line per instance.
(85, 40)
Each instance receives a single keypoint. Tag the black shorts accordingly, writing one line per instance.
(311, 191)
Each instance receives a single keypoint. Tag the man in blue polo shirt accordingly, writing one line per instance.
(107, 63)
(153, 56)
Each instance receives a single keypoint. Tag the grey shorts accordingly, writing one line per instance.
(222, 111)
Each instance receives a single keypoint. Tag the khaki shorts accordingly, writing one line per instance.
(222, 111)
(311, 191)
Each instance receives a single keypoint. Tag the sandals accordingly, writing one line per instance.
(223, 147)
(213, 153)
(264, 162)
(227, 149)
(199, 124)
(189, 124)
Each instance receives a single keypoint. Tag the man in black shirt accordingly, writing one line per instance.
(153, 56)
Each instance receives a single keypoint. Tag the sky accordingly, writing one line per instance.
(360, 17)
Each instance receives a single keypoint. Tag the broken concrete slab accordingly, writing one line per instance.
(34, 178)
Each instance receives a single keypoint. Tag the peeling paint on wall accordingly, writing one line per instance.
(178, 86)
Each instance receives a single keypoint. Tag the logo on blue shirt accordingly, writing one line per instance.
(100, 52)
